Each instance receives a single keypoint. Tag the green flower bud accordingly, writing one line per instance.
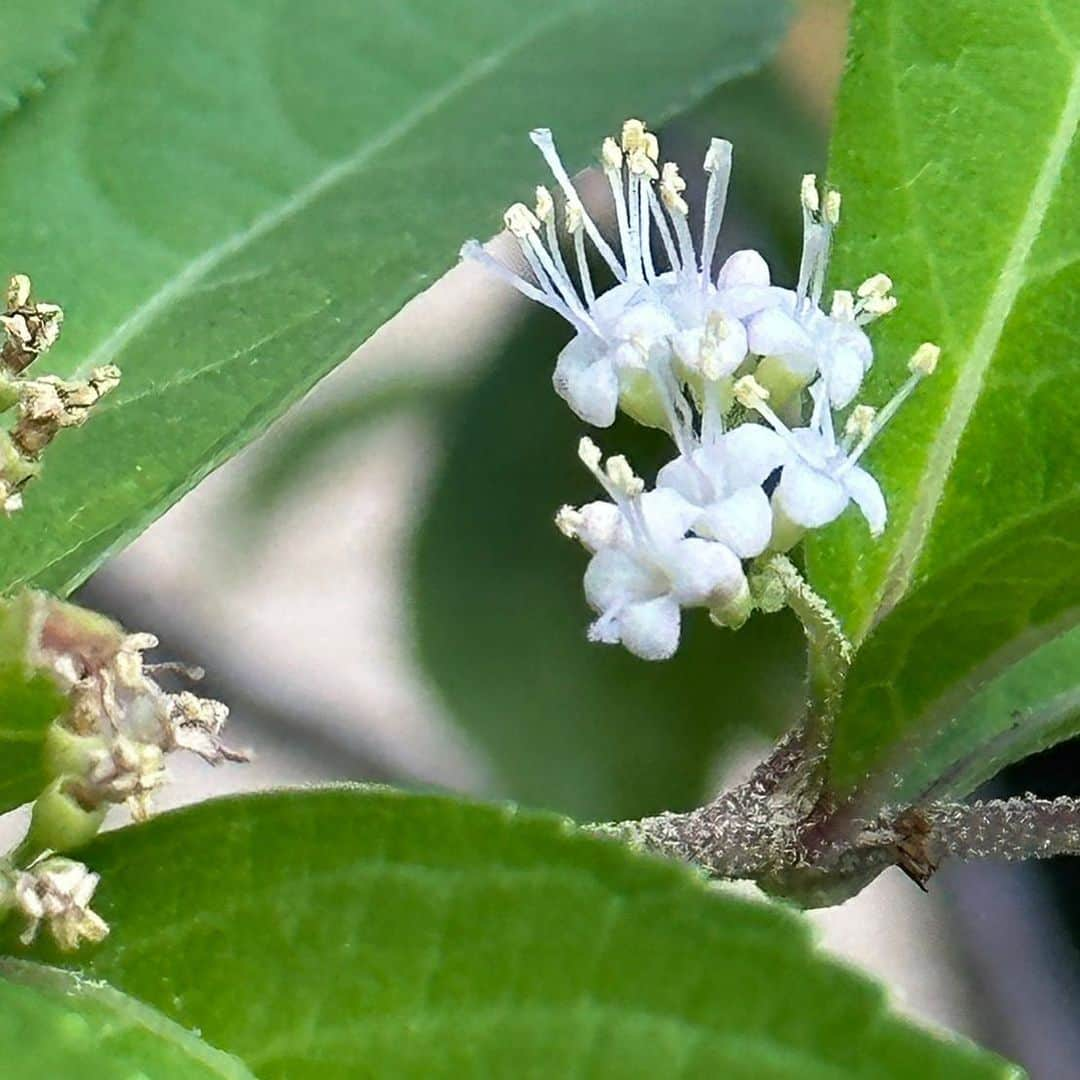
(69, 754)
(59, 822)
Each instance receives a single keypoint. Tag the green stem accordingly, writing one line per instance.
(829, 652)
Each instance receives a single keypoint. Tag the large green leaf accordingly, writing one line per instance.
(229, 197)
(501, 617)
(955, 149)
(364, 933)
(53, 1024)
(36, 39)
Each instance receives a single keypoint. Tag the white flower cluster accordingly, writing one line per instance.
(743, 374)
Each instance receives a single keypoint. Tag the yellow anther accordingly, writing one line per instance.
(575, 215)
(640, 164)
(860, 421)
(589, 453)
(611, 155)
(672, 185)
(622, 476)
(832, 207)
(925, 359)
(808, 193)
(875, 285)
(545, 206)
(652, 146)
(749, 392)
(633, 135)
(520, 220)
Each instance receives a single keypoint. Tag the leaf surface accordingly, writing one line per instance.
(272, 183)
(979, 562)
(36, 40)
(349, 932)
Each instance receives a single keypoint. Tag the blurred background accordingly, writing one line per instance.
(377, 591)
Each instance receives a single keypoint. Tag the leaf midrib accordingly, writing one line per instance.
(969, 384)
(198, 268)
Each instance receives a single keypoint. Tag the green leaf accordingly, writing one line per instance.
(36, 39)
(979, 562)
(501, 617)
(291, 176)
(1031, 706)
(29, 702)
(347, 932)
(54, 1024)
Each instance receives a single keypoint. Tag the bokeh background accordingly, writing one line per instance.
(376, 590)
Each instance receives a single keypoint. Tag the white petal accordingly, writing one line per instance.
(742, 301)
(605, 629)
(651, 629)
(745, 267)
(808, 497)
(668, 516)
(733, 348)
(599, 524)
(750, 453)
(704, 572)
(585, 379)
(647, 321)
(614, 578)
(773, 332)
(681, 475)
(844, 375)
(865, 492)
(742, 521)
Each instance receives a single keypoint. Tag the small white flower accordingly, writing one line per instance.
(724, 480)
(628, 336)
(795, 336)
(640, 583)
(646, 566)
(822, 474)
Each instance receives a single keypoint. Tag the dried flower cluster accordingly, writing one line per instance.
(107, 747)
(42, 405)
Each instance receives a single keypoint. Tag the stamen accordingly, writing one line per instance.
(623, 477)
(543, 141)
(665, 230)
(554, 280)
(545, 211)
(752, 395)
(718, 166)
(859, 422)
(832, 207)
(473, 250)
(612, 159)
(672, 185)
(574, 228)
(922, 363)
